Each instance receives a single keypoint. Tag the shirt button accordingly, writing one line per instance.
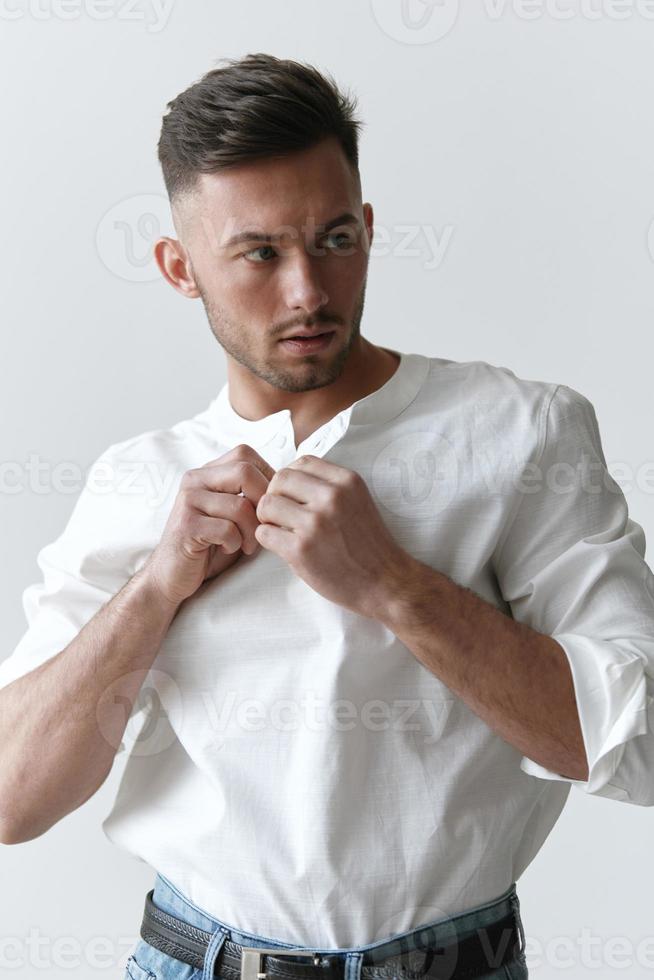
(280, 440)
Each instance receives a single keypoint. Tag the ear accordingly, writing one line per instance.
(369, 218)
(175, 266)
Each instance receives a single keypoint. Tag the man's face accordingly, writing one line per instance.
(311, 274)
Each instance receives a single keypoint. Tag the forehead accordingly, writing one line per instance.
(309, 185)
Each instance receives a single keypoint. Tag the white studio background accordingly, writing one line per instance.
(508, 153)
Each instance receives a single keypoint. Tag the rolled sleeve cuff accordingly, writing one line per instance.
(610, 687)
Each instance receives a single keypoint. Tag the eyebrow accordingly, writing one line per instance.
(254, 235)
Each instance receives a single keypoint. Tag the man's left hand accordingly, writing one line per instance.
(321, 519)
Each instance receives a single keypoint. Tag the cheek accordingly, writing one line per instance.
(243, 294)
(346, 277)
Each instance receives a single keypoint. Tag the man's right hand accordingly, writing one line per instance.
(210, 525)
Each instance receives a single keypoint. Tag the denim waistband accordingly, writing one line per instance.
(440, 932)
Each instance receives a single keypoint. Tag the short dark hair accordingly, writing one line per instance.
(257, 106)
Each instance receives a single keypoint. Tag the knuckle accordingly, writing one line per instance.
(244, 467)
(242, 451)
(185, 496)
(242, 506)
(189, 526)
(330, 508)
(315, 523)
(301, 547)
(280, 476)
(189, 475)
(229, 534)
(186, 488)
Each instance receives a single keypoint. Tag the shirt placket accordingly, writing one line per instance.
(317, 444)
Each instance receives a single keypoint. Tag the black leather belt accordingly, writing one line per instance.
(488, 949)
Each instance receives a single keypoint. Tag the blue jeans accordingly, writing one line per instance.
(149, 963)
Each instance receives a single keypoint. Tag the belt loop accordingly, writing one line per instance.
(214, 947)
(515, 904)
(353, 963)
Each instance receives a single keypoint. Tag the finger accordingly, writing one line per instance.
(329, 472)
(236, 477)
(280, 511)
(219, 531)
(231, 507)
(273, 538)
(298, 485)
(247, 454)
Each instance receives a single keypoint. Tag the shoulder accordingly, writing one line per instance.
(483, 378)
(183, 440)
(501, 391)
(498, 411)
(154, 457)
(127, 494)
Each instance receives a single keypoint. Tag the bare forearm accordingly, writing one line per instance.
(62, 723)
(514, 678)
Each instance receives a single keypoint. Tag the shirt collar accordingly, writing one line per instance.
(379, 406)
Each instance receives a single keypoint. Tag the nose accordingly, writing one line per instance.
(302, 287)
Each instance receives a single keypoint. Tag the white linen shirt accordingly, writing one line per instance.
(291, 766)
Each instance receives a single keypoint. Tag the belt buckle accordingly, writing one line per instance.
(251, 959)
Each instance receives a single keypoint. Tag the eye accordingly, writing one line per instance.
(343, 235)
(342, 239)
(261, 248)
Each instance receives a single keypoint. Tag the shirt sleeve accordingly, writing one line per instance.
(94, 556)
(571, 565)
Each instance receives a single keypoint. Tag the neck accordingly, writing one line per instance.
(367, 368)
(364, 376)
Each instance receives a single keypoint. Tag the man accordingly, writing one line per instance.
(389, 610)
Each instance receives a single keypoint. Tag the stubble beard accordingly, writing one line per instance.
(305, 374)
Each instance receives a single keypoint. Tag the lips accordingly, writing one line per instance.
(302, 336)
(308, 343)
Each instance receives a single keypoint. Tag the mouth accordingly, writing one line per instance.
(308, 343)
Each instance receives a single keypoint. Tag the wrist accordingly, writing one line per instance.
(398, 592)
(146, 584)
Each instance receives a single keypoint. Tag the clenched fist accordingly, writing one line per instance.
(211, 524)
